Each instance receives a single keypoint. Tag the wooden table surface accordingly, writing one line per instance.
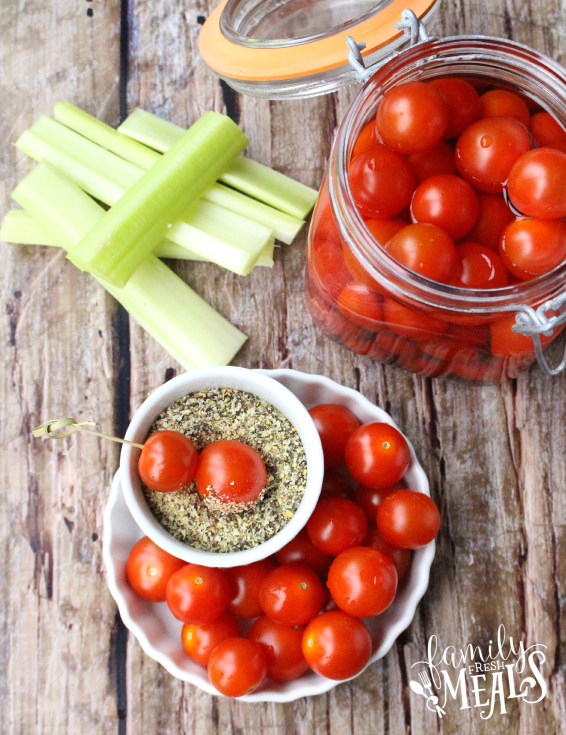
(494, 455)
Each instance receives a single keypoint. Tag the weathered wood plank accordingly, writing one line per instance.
(58, 358)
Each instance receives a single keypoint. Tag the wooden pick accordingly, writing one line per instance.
(62, 428)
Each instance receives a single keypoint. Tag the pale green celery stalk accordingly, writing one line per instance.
(20, 228)
(129, 231)
(255, 179)
(171, 312)
(223, 237)
(103, 134)
(285, 227)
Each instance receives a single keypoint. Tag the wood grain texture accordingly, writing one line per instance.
(494, 455)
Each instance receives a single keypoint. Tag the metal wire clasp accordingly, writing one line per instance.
(413, 28)
(534, 322)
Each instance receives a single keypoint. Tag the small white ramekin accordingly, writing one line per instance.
(238, 378)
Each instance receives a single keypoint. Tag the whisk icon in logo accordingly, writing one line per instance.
(422, 689)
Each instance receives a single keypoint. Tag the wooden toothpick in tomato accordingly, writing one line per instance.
(231, 472)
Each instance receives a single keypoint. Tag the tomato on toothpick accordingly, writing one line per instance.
(149, 569)
(168, 461)
(230, 472)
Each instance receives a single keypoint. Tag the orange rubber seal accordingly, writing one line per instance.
(233, 61)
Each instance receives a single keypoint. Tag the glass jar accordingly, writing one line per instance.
(424, 326)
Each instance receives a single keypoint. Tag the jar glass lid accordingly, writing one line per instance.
(297, 48)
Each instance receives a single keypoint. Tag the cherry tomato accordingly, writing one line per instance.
(245, 585)
(410, 323)
(282, 645)
(377, 455)
(505, 342)
(446, 201)
(370, 498)
(292, 594)
(197, 594)
(382, 182)
(531, 247)
(493, 218)
(336, 645)
(384, 229)
(427, 250)
(401, 557)
(199, 641)
(361, 305)
(547, 131)
(168, 461)
(231, 472)
(412, 118)
(362, 581)
(329, 266)
(487, 150)
(301, 550)
(334, 424)
(367, 138)
(337, 524)
(237, 666)
(480, 267)
(501, 103)
(437, 160)
(149, 569)
(335, 486)
(537, 184)
(408, 519)
(463, 103)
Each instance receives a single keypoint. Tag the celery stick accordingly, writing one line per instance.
(261, 182)
(19, 227)
(131, 229)
(174, 315)
(101, 133)
(285, 227)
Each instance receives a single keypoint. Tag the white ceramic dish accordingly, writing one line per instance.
(159, 633)
(260, 384)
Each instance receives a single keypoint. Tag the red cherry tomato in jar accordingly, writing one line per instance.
(377, 455)
(501, 103)
(493, 218)
(531, 247)
(437, 160)
(507, 343)
(487, 150)
(168, 461)
(410, 323)
(199, 641)
(412, 118)
(245, 585)
(197, 594)
(384, 229)
(337, 524)
(448, 202)
(368, 138)
(401, 557)
(282, 645)
(537, 184)
(336, 645)
(301, 550)
(329, 266)
(237, 666)
(547, 131)
(149, 569)
(427, 250)
(463, 103)
(382, 182)
(370, 498)
(335, 486)
(361, 305)
(334, 424)
(231, 472)
(408, 519)
(292, 594)
(480, 267)
(362, 581)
